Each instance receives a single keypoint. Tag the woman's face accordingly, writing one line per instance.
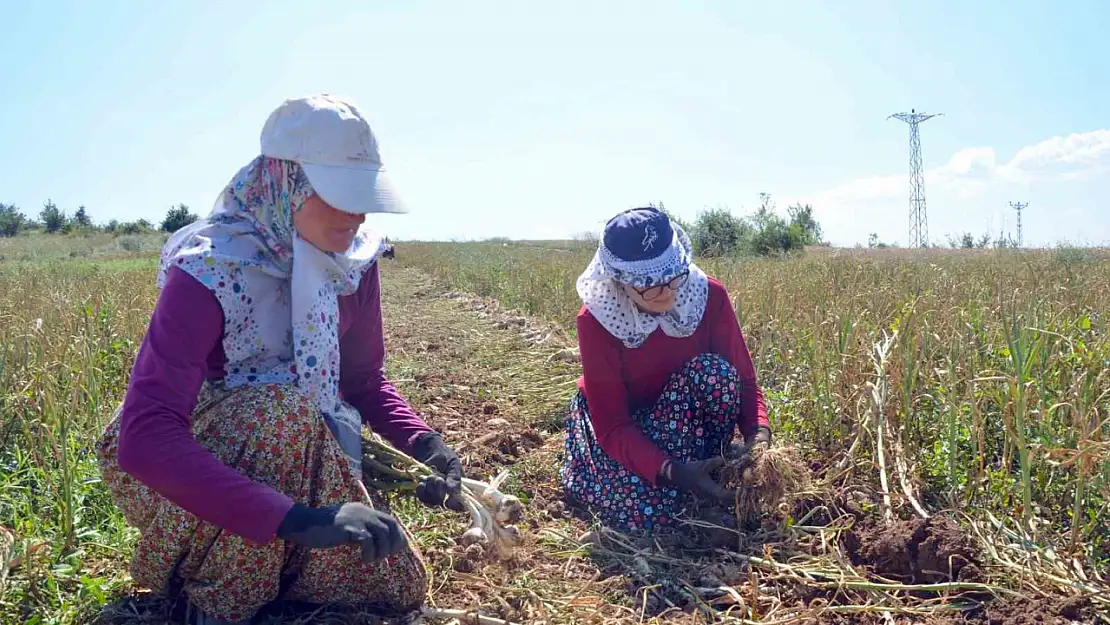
(657, 299)
(660, 304)
(329, 229)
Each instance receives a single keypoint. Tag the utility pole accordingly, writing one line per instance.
(1019, 206)
(919, 223)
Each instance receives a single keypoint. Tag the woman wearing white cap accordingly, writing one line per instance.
(666, 378)
(237, 449)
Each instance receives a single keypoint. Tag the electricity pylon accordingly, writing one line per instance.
(919, 222)
(1019, 206)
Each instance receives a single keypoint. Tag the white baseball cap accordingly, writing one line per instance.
(333, 143)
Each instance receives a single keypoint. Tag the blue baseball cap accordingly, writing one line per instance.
(638, 234)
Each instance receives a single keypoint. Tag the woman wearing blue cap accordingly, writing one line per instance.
(666, 378)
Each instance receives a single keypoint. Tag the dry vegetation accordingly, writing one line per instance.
(763, 479)
(952, 408)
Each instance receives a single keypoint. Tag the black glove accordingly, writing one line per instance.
(437, 490)
(738, 450)
(378, 534)
(696, 477)
(762, 435)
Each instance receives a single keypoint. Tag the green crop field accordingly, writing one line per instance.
(974, 385)
(991, 367)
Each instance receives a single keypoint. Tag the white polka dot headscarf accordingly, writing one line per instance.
(279, 293)
(642, 248)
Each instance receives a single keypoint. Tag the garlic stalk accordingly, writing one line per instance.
(492, 512)
(507, 508)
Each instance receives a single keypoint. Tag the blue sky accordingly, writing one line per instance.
(539, 120)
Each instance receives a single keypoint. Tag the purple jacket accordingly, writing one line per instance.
(182, 348)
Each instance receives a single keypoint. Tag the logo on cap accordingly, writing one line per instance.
(650, 237)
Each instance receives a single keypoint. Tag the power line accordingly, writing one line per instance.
(1019, 206)
(919, 223)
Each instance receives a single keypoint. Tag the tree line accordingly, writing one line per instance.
(54, 220)
(717, 232)
(714, 232)
(765, 232)
(964, 241)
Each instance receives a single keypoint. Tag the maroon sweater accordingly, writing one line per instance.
(182, 348)
(618, 381)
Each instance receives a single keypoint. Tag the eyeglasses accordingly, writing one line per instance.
(655, 292)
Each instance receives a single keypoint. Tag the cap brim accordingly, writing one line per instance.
(354, 189)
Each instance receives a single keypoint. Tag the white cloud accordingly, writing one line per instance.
(1073, 154)
(972, 177)
(872, 188)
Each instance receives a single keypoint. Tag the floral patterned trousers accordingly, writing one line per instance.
(693, 419)
(274, 435)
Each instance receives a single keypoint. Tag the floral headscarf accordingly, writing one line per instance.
(278, 292)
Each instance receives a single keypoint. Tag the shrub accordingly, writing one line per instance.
(81, 218)
(11, 220)
(53, 218)
(177, 218)
(717, 232)
(131, 243)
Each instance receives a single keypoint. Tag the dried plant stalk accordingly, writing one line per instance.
(7, 545)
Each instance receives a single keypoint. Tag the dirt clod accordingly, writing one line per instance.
(556, 509)
(920, 551)
(470, 558)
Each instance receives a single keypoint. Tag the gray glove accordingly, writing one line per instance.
(378, 534)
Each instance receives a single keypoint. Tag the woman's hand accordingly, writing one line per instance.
(378, 534)
(762, 435)
(696, 477)
(436, 491)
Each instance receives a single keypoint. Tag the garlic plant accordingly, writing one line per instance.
(492, 513)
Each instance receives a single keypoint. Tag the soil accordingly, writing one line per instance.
(915, 551)
(1021, 612)
(813, 510)
(1042, 612)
